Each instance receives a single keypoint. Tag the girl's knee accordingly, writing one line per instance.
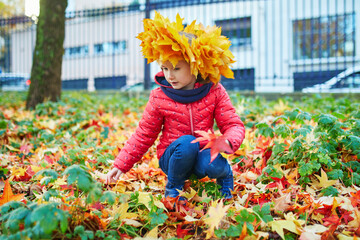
(218, 169)
(186, 139)
(186, 143)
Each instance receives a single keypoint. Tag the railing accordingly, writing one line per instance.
(279, 45)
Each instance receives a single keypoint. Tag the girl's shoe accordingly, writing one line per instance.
(227, 184)
(172, 190)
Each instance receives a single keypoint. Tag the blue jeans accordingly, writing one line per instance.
(183, 158)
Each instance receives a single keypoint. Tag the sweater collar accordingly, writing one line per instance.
(182, 96)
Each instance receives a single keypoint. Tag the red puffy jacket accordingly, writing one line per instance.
(174, 119)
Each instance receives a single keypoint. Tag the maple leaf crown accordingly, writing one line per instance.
(205, 49)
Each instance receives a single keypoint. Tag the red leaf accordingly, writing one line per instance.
(345, 215)
(332, 220)
(279, 182)
(326, 210)
(216, 144)
(184, 230)
(355, 199)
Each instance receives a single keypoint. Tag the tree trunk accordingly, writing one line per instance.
(47, 57)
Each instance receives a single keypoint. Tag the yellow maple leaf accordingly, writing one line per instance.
(8, 195)
(145, 199)
(324, 182)
(189, 195)
(153, 234)
(122, 211)
(279, 226)
(213, 218)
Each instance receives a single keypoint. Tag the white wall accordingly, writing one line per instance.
(270, 53)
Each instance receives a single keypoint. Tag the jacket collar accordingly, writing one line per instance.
(182, 96)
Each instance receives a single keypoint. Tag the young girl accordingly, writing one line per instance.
(192, 61)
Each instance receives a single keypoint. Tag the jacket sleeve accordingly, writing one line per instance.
(142, 139)
(228, 121)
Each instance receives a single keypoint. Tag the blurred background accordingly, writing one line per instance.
(279, 45)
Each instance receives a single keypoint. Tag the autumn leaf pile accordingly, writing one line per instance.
(297, 174)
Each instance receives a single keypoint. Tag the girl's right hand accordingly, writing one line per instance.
(113, 175)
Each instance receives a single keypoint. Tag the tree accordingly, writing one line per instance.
(47, 57)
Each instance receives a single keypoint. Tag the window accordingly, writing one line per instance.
(78, 51)
(110, 47)
(238, 30)
(244, 79)
(75, 84)
(114, 82)
(324, 37)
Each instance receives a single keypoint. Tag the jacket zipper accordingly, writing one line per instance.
(191, 120)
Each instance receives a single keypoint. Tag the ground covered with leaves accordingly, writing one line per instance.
(297, 174)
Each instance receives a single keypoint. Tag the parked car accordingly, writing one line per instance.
(14, 82)
(347, 81)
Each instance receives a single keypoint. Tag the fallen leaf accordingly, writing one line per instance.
(8, 195)
(282, 203)
(132, 222)
(153, 234)
(122, 211)
(344, 237)
(184, 230)
(214, 216)
(309, 236)
(279, 226)
(315, 228)
(324, 182)
(216, 144)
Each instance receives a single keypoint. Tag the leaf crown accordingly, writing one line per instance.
(207, 52)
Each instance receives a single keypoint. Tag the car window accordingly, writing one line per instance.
(351, 81)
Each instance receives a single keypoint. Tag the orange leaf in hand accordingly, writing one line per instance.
(216, 144)
(8, 194)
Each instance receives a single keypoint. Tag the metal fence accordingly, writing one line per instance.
(279, 45)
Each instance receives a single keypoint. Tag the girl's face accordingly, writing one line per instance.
(180, 76)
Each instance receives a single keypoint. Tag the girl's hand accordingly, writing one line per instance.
(113, 175)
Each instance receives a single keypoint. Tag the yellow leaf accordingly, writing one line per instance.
(59, 182)
(145, 199)
(356, 222)
(153, 234)
(189, 195)
(12, 148)
(324, 182)
(19, 172)
(132, 222)
(121, 212)
(279, 226)
(190, 219)
(36, 168)
(344, 237)
(214, 216)
(120, 186)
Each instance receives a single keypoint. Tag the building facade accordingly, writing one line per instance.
(279, 45)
